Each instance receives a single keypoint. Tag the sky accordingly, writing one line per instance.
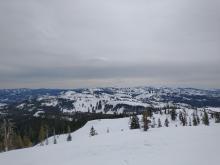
(101, 43)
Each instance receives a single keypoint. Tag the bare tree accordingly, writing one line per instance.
(7, 129)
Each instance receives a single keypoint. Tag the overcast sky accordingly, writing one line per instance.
(92, 43)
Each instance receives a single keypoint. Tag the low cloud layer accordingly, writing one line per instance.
(83, 43)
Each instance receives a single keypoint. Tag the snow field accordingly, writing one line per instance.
(122, 146)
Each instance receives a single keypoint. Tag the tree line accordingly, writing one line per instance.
(20, 132)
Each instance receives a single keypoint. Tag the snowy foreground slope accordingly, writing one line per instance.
(121, 146)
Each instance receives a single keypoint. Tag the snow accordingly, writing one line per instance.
(21, 106)
(2, 105)
(51, 103)
(85, 101)
(122, 146)
(37, 114)
(2, 113)
(214, 109)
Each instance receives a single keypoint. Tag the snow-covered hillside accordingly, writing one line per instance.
(106, 100)
(121, 146)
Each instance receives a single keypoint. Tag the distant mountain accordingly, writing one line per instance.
(104, 100)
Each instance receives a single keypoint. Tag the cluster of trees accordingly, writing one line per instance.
(44, 135)
(9, 139)
(195, 119)
(25, 131)
(146, 123)
(149, 121)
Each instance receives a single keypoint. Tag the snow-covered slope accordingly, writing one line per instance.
(122, 146)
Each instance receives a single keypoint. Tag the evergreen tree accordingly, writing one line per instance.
(190, 123)
(46, 141)
(217, 117)
(182, 118)
(92, 131)
(69, 137)
(41, 135)
(149, 111)
(27, 142)
(198, 119)
(153, 123)
(195, 123)
(185, 119)
(205, 118)
(159, 123)
(134, 124)
(99, 105)
(145, 121)
(166, 123)
(17, 142)
(1, 146)
(2, 130)
(173, 114)
(54, 137)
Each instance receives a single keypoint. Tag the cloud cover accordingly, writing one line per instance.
(84, 43)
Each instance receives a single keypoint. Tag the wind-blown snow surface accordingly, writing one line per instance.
(167, 146)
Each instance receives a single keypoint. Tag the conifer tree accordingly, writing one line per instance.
(54, 137)
(92, 131)
(198, 119)
(134, 124)
(182, 118)
(166, 123)
(27, 142)
(69, 137)
(1, 137)
(185, 119)
(205, 118)
(173, 114)
(46, 141)
(145, 121)
(17, 142)
(217, 117)
(41, 135)
(195, 123)
(190, 122)
(149, 112)
(159, 123)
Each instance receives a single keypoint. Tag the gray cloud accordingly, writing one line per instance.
(66, 44)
